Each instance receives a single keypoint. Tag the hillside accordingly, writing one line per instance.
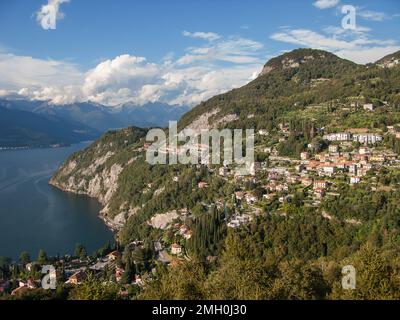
(317, 202)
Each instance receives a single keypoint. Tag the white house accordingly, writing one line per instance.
(355, 180)
(176, 249)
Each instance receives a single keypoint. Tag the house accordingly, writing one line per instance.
(355, 180)
(304, 156)
(320, 184)
(202, 185)
(306, 181)
(319, 193)
(333, 148)
(185, 231)
(377, 158)
(239, 195)
(369, 107)
(341, 136)
(367, 138)
(250, 198)
(263, 132)
(223, 171)
(118, 273)
(175, 179)
(328, 169)
(138, 280)
(115, 255)
(77, 278)
(176, 249)
(19, 290)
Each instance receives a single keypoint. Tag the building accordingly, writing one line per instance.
(118, 273)
(250, 198)
(341, 136)
(239, 195)
(320, 184)
(223, 171)
(328, 170)
(367, 138)
(306, 181)
(77, 277)
(176, 249)
(377, 158)
(319, 193)
(202, 185)
(304, 156)
(115, 255)
(355, 180)
(333, 148)
(369, 107)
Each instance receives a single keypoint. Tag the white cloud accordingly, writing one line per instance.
(325, 4)
(24, 71)
(221, 65)
(353, 45)
(210, 36)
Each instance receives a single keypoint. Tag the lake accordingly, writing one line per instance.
(35, 215)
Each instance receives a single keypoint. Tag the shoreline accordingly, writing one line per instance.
(108, 222)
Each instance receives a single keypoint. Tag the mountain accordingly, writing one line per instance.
(289, 84)
(102, 118)
(27, 129)
(297, 237)
(390, 60)
(150, 115)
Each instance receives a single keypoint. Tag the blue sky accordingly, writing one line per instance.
(175, 51)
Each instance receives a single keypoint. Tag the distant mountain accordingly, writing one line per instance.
(102, 118)
(150, 114)
(390, 60)
(27, 129)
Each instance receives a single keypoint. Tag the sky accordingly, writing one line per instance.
(178, 51)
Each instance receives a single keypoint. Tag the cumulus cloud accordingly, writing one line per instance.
(325, 4)
(220, 65)
(44, 15)
(355, 45)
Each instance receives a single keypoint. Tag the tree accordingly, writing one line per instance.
(4, 266)
(94, 289)
(24, 258)
(42, 257)
(80, 251)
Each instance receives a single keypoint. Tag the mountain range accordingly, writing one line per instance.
(89, 119)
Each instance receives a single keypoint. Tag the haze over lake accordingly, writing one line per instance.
(35, 215)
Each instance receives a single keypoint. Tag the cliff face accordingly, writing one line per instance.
(95, 171)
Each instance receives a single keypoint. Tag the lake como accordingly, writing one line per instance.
(35, 215)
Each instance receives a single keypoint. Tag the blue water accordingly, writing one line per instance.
(35, 215)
